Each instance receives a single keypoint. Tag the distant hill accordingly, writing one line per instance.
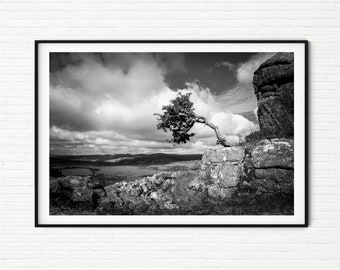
(122, 159)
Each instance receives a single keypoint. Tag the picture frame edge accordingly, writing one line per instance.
(37, 42)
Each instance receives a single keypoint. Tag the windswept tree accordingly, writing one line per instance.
(179, 117)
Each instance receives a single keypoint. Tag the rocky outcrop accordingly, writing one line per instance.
(221, 168)
(274, 88)
(266, 166)
(269, 166)
(163, 193)
(276, 153)
(261, 169)
(77, 192)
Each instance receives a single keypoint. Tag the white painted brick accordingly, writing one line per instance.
(24, 247)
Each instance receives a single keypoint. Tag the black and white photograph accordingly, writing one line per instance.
(163, 134)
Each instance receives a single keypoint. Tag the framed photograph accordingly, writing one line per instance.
(171, 133)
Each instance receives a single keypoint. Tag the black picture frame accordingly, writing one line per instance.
(37, 43)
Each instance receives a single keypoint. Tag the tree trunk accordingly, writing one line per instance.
(220, 139)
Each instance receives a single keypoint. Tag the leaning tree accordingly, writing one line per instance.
(179, 117)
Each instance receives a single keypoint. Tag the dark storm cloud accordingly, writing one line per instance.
(202, 67)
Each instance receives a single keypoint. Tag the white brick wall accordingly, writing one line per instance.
(24, 247)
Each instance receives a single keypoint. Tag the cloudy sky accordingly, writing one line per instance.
(104, 102)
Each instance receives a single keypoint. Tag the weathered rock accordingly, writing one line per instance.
(221, 154)
(162, 193)
(277, 175)
(82, 194)
(275, 180)
(223, 166)
(274, 88)
(277, 153)
(74, 192)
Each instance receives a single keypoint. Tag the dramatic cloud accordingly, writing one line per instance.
(242, 98)
(105, 104)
